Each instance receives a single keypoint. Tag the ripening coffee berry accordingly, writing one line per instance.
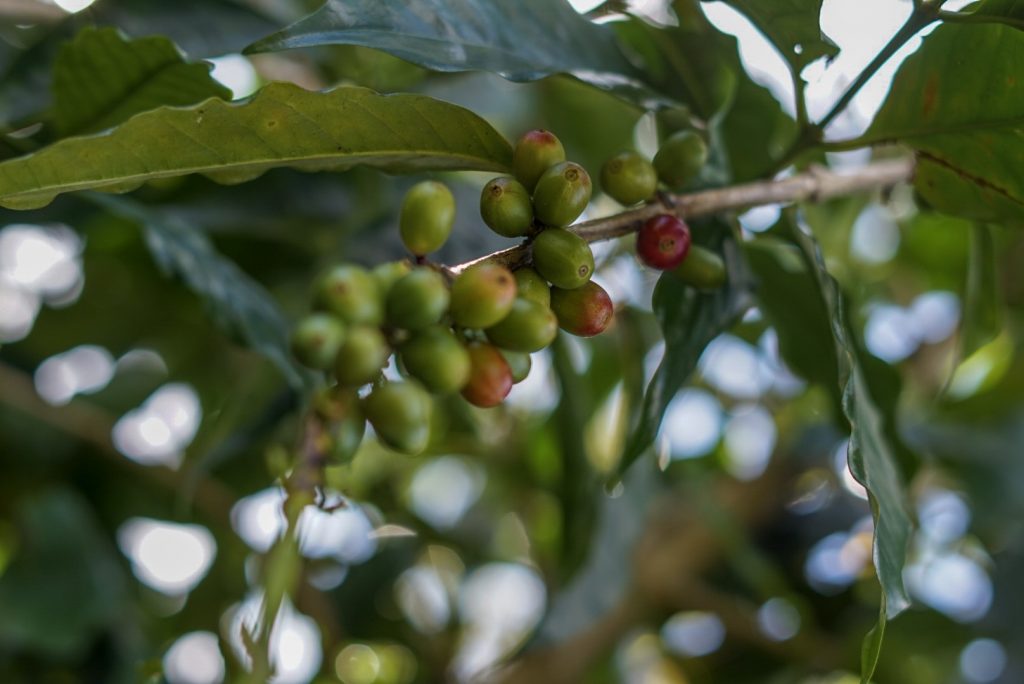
(400, 414)
(428, 214)
(350, 293)
(585, 311)
(680, 159)
(418, 299)
(535, 153)
(629, 178)
(389, 273)
(482, 295)
(519, 364)
(346, 426)
(437, 359)
(490, 378)
(506, 208)
(529, 327)
(362, 356)
(702, 268)
(563, 258)
(562, 193)
(316, 340)
(530, 285)
(663, 242)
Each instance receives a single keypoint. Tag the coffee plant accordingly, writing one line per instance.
(387, 342)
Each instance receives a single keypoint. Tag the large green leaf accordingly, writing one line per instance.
(102, 79)
(792, 26)
(959, 102)
(282, 125)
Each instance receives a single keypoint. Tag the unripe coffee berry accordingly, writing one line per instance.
(350, 293)
(535, 153)
(562, 193)
(585, 311)
(418, 299)
(519, 364)
(400, 415)
(563, 258)
(436, 358)
(663, 242)
(629, 178)
(680, 159)
(702, 268)
(490, 378)
(389, 273)
(316, 340)
(428, 214)
(482, 295)
(506, 208)
(362, 356)
(531, 286)
(529, 327)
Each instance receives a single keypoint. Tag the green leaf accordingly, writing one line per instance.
(982, 320)
(282, 125)
(792, 26)
(871, 648)
(102, 79)
(239, 304)
(959, 102)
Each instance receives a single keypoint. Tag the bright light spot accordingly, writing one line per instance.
(444, 489)
(258, 518)
(194, 658)
(836, 561)
(423, 599)
(692, 425)
(750, 436)
(295, 649)
(841, 461)
(935, 316)
(693, 634)
(158, 432)
(73, 6)
(943, 515)
(952, 584)
(778, 619)
(18, 311)
(624, 277)
(236, 73)
(539, 392)
(81, 370)
(169, 557)
(761, 218)
(889, 333)
(875, 238)
(736, 368)
(584, 6)
(42, 260)
(982, 661)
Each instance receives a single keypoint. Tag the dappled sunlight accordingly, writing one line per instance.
(158, 432)
(692, 634)
(82, 370)
(692, 425)
(444, 489)
(295, 651)
(982, 661)
(169, 557)
(778, 619)
(194, 658)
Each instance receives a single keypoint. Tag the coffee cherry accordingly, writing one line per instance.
(350, 293)
(417, 300)
(316, 340)
(585, 311)
(506, 208)
(490, 378)
(529, 327)
(482, 295)
(535, 153)
(436, 358)
(562, 193)
(346, 425)
(629, 178)
(389, 273)
(428, 214)
(400, 414)
(680, 159)
(519, 364)
(362, 356)
(530, 285)
(702, 268)
(663, 242)
(563, 258)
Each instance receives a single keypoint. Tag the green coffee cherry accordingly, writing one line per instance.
(519, 363)
(529, 327)
(490, 378)
(400, 414)
(535, 153)
(585, 311)
(629, 178)
(563, 258)
(562, 193)
(389, 273)
(436, 358)
(702, 268)
(680, 159)
(417, 300)
(428, 214)
(316, 340)
(506, 208)
(482, 295)
(346, 425)
(362, 356)
(530, 285)
(350, 293)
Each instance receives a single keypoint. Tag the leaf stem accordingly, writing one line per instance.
(971, 18)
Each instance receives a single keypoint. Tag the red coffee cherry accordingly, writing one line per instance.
(585, 311)
(663, 242)
(490, 378)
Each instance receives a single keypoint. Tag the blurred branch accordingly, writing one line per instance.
(814, 185)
